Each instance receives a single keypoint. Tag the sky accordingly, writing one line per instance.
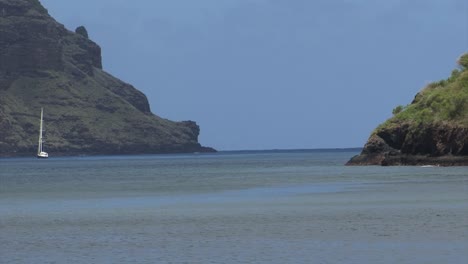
(275, 74)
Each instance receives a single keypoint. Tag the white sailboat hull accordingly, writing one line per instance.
(43, 155)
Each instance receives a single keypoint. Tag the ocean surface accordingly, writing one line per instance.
(230, 207)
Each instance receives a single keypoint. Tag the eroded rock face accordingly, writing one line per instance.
(87, 111)
(28, 41)
(435, 144)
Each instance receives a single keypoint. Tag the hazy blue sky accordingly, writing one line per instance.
(266, 74)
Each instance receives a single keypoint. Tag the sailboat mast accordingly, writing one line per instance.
(39, 149)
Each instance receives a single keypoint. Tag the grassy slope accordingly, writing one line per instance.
(445, 101)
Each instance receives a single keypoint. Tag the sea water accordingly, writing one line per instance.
(230, 207)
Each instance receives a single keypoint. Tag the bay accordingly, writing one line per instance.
(230, 207)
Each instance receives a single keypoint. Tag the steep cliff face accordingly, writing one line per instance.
(86, 110)
(432, 130)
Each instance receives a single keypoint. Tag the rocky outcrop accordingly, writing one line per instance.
(432, 130)
(435, 144)
(86, 110)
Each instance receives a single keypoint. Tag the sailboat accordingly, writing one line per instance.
(40, 152)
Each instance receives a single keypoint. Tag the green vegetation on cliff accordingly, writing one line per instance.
(445, 101)
(433, 129)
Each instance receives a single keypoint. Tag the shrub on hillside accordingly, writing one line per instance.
(463, 61)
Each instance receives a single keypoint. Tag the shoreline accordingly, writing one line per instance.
(95, 154)
(385, 159)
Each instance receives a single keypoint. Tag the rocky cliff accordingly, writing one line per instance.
(432, 130)
(86, 110)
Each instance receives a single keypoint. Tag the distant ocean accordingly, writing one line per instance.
(295, 206)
